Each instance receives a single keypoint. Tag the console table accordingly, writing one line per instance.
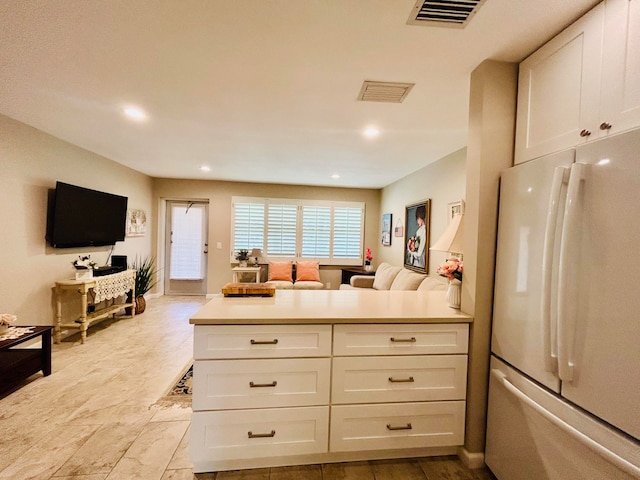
(106, 287)
(19, 363)
(347, 273)
(238, 271)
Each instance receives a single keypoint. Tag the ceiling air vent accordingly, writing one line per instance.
(390, 92)
(444, 13)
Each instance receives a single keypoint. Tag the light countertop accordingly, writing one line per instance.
(331, 306)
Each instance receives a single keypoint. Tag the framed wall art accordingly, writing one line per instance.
(416, 237)
(136, 223)
(386, 229)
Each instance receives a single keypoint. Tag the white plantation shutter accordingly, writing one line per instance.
(282, 227)
(347, 232)
(316, 232)
(248, 230)
(331, 232)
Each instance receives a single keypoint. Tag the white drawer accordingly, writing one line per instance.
(399, 379)
(261, 341)
(400, 339)
(258, 433)
(233, 384)
(393, 426)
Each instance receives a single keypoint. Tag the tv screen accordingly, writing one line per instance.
(81, 217)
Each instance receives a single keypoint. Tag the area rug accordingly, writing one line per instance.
(180, 391)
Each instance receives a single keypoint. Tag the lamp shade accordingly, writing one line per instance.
(451, 239)
(256, 253)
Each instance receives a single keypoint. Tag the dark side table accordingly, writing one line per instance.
(347, 273)
(19, 363)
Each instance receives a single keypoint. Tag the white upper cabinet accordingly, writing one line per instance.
(620, 97)
(583, 84)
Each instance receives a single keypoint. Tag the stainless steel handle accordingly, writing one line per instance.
(399, 427)
(406, 340)
(264, 342)
(401, 380)
(585, 133)
(260, 385)
(605, 126)
(272, 433)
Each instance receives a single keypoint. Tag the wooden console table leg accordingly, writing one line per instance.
(83, 314)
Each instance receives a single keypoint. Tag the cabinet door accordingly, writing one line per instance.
(559, 90)
(620, 108)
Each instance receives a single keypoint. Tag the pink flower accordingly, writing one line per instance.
(452, 269)
(368, 255)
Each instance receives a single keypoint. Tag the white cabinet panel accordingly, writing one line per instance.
(261, 341)
(620, 103)
(396, 339)
(387, 426)
(232, 384)
(226, 435)
(399, 379)
(558, 88)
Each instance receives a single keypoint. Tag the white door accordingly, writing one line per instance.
(602, 326)
(186, 248)
(522, 335)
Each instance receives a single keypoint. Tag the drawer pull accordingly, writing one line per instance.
(262, 435)
(401, 380)
(258, 385)
(399, 427)
(403, 340)
(264, 342)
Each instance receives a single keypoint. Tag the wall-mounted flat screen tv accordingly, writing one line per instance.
(81, 217)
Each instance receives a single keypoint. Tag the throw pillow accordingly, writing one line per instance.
(407, 280)
(280, 271)
(307, 271)
(385, 274)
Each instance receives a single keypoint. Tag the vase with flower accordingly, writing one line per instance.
(367, 259)
(452, 269)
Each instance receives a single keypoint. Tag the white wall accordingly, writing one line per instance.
(30, 164)
(443, 182)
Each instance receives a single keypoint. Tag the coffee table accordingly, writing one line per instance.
(19, 363)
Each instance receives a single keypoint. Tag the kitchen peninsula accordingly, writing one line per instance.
(327, 375)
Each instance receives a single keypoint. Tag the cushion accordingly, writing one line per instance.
(281, 271)
(307, 285)
(307, 272)
(361, 281)
(407, 280)
(281, 284)
(385, 274)
(432, 284)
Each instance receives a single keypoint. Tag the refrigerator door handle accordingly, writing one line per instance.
(604, 452)
(549, 316)
(569, 250)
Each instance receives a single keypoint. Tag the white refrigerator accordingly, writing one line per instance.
(564, 391)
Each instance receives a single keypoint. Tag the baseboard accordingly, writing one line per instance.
(471, 460)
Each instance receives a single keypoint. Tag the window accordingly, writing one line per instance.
(330, 232)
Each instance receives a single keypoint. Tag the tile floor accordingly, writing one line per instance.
(98, 416)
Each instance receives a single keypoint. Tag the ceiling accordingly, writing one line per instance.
(257, 90)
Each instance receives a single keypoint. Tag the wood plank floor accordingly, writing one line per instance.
(98, 416)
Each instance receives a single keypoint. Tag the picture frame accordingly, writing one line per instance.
(399, 230)
(136, 225)
(416, 237)
(455, 208)
(386, 229)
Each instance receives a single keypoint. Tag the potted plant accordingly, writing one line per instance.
(145, 280)
(242, 256)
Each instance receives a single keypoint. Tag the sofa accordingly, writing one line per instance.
(388, 277)
(297, 276)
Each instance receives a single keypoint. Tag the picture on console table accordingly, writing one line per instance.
(416, 239)
(136, 223)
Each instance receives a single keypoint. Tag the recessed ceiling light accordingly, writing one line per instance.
(371, 132)
(335, 176)
(205, 168)
(135, 113)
